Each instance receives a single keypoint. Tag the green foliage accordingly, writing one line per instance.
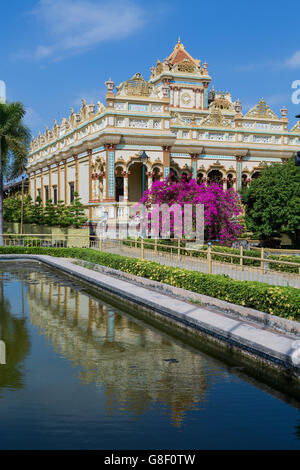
(273, 202)
(14, 141)
(12, 209)
(50, 214)
(285, 268)
(282, 301)
(77, 212)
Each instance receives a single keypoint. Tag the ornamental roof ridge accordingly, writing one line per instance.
(59, 131)
(296, 128)
(136, 86)
(179, 54)
(261, 110)
(216, 119)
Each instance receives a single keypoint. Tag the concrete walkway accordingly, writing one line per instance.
(274, 348)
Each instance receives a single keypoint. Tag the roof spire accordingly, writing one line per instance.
(179, 42)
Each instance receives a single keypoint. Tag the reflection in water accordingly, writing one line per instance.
(14, 333)
(114, 350)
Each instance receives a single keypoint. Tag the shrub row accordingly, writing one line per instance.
(282, 301)
(282, 267)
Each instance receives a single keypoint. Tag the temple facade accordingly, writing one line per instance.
(173, 123)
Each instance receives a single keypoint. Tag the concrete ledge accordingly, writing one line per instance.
(237, 311)
(273, 347)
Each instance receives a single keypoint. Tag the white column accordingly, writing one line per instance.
(171, 97)
(126, 188)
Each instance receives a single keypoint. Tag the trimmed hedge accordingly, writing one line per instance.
(281, 301)
(282, 267)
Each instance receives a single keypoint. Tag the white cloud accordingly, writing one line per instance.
(294, 60)
(73, 26)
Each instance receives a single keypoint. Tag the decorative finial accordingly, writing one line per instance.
(238, 106)
(179, 42)
(110, 84)
(283, 112)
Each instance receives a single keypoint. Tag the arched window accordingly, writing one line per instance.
(156, 174)
(199, 178)
(255, 175)
(215, 176)
(119, 184)
(244, 180)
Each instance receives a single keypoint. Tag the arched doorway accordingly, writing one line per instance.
(215, 176)
(230, 180)
(119, 184)
(135, 181)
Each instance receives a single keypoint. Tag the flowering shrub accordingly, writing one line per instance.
(221, 208)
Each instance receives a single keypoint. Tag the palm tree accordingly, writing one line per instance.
(14, 141)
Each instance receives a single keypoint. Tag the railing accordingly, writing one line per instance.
(240, 266)
(46, 240)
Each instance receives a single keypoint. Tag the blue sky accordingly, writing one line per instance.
(55, 52)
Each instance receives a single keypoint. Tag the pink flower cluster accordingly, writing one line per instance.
(221, 208)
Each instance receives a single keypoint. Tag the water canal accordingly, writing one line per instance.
(82, 373)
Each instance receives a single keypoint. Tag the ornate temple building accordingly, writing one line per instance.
(175, 121)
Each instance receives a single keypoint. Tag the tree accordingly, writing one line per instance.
(14, 141)
(273, 202)
(221, 208)
(76, 211)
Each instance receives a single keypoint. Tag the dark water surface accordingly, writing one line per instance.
(82, 374)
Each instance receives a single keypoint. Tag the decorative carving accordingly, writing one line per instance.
(185, 66)
(216, 119)
(177, 119)
(159, 67)
(238, 106)
(261, 110)
(136, 86)
(296, 128)
(185, 98)
(100, 108)
(222, 101)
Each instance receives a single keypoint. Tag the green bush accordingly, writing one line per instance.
(282, 301)
(50, 214)
(282, 267)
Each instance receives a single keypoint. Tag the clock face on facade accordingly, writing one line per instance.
(186, 99)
